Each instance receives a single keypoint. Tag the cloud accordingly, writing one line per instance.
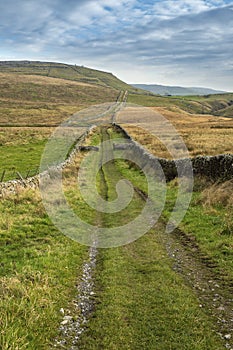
(174, 8)
(185, 40)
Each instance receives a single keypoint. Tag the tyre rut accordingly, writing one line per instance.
(199, 273)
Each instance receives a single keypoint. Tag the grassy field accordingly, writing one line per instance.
(139, 294)
(208, 220)
(40, 95)
(141, 302)
(202, 134)
(21, 150)
(32, 105)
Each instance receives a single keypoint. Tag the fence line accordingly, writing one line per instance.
(14, 174)
(12, 186)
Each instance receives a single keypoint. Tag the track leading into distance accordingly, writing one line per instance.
(152, 293)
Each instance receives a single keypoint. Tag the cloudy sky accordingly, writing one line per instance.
(171, 42)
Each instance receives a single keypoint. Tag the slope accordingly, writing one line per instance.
(217, 105)
(27, 100)
(65, 71)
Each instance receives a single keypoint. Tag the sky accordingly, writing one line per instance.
(169, 42)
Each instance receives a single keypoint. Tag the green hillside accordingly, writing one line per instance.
(65, 71)
(217, 105)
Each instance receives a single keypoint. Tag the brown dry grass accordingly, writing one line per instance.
(38, 100)
(202, 134)
(218, 194)
(23, 135)
(38, 79)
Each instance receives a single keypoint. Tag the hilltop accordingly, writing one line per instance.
(45, 93)
(65, 71)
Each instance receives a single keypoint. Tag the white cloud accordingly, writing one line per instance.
(172, 8)
(171, 38)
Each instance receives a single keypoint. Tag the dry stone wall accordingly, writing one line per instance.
(219, 167)
(13, 186)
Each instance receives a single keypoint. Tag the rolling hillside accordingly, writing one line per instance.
(34, 93)
(65, 71)
(218, 105)
(46, 93)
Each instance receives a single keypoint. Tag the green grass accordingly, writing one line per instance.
(219, 105)
(21, 149)
(20, 158)
(212, 229)
(187, 104)
(39, 269)
(141, 303)
(38, 272)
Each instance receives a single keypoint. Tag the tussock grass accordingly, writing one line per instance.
(199, 120)
(209, 220)
(219, 194)
(16, 136)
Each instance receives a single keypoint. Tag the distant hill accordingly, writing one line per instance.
(176, 90)
(65, 71)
